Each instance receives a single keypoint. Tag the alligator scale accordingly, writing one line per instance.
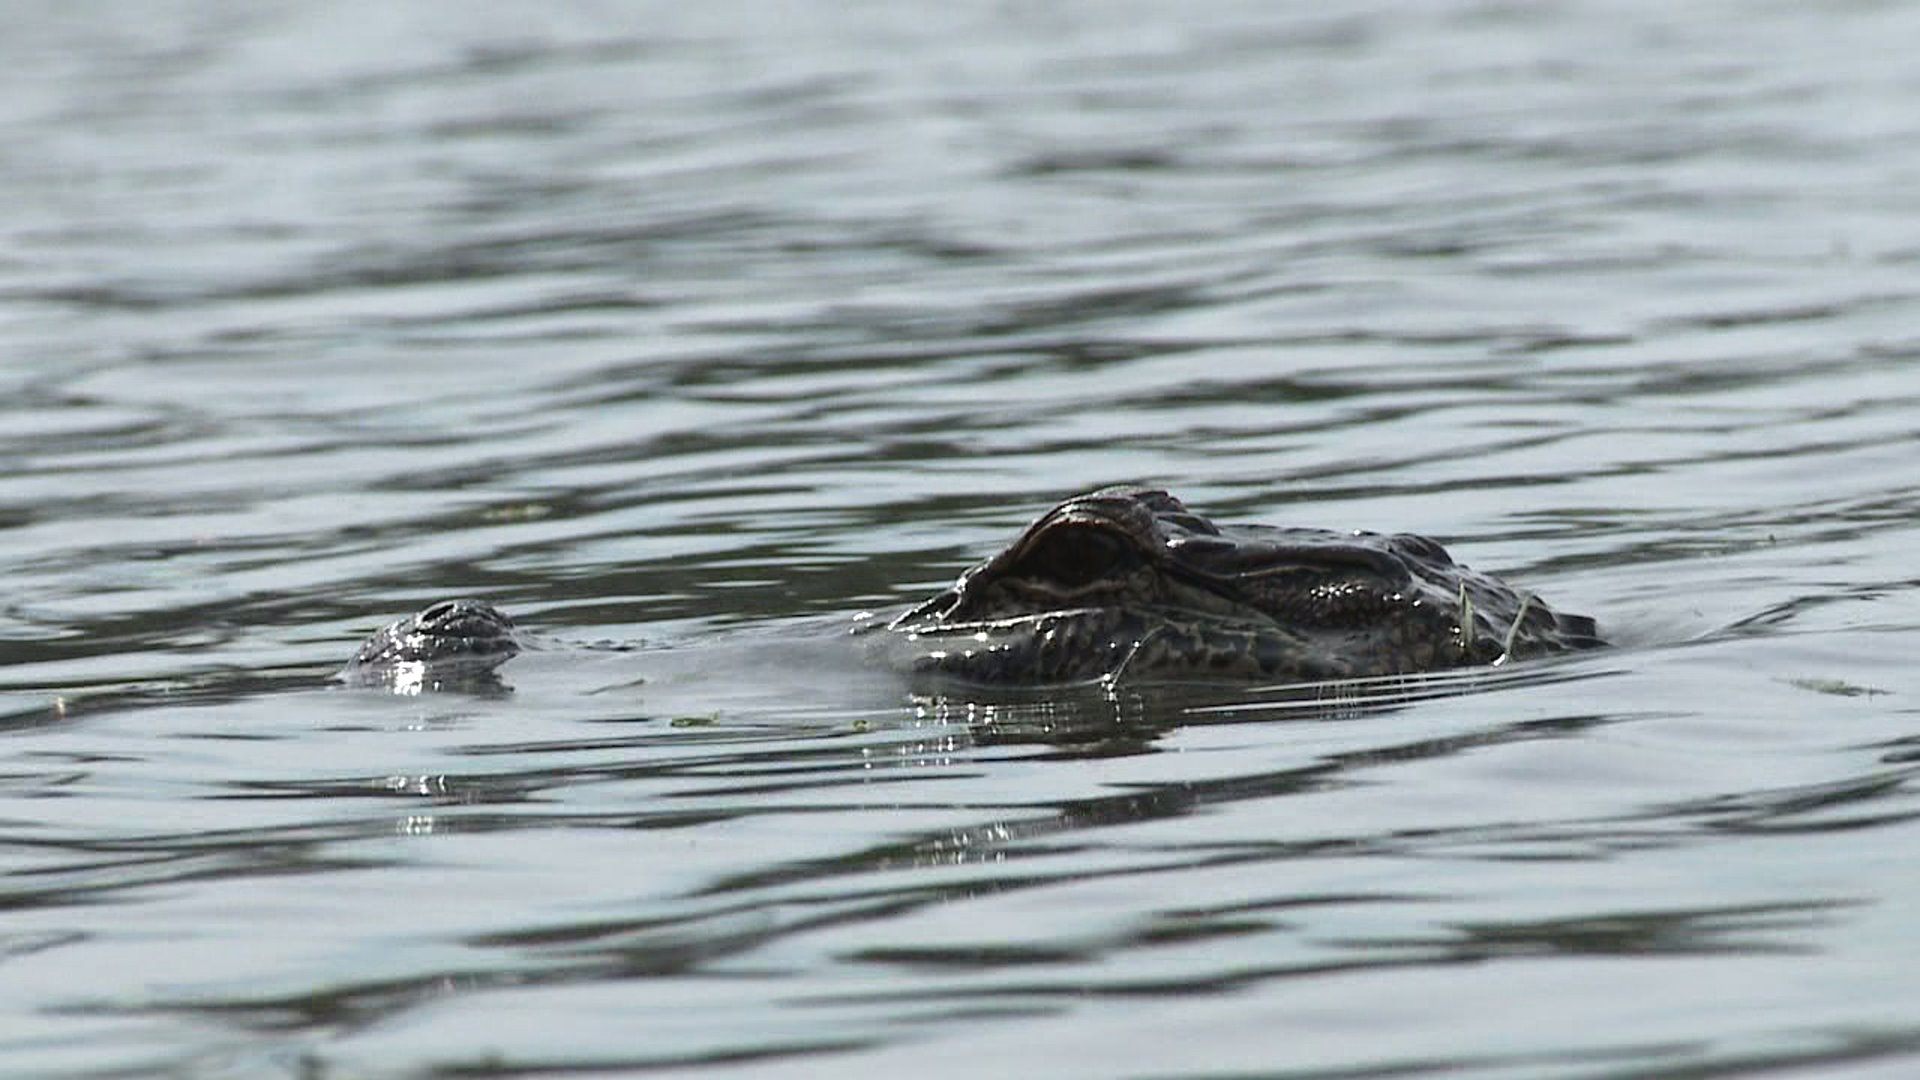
(1127, 583)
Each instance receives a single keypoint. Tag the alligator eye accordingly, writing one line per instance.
(1075, 555)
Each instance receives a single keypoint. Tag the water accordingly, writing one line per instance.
(711, 325)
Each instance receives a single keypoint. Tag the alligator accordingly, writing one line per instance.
(1127, 583)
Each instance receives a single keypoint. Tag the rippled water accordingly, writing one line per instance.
(708, 326)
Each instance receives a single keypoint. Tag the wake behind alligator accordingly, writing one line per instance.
(1128, 584)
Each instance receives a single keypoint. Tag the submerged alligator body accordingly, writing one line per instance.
(1127, 583)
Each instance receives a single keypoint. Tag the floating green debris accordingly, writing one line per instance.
(516, 512)
(1836, 687)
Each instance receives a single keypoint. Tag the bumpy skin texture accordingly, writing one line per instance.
(1127, 583)
(453, 642)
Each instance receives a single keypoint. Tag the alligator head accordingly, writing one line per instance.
(452, 644)
(1127, 582)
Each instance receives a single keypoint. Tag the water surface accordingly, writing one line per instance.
(709, 328)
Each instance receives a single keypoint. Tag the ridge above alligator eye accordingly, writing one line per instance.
(1074, 555)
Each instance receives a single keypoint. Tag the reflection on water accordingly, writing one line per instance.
(690, 332)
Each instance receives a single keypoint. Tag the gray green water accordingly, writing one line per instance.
(711, 325)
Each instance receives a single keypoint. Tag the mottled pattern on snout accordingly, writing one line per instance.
(448, 640)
